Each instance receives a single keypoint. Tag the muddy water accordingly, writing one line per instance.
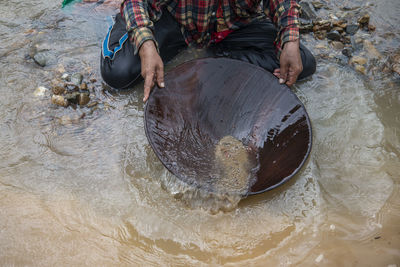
(87, 190)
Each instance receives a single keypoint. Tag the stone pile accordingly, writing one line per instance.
(71, 90)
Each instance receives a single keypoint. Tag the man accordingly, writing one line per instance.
(148, 33)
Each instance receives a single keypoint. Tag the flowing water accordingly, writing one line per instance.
(83, 186)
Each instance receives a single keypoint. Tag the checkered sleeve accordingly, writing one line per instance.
(285, 15)
(138, 23)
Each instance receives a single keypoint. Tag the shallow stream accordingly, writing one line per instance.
(83, 187)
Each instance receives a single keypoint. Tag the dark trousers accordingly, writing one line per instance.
(120, 68)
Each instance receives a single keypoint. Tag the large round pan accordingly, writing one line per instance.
(207, 99)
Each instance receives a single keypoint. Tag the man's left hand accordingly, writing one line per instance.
(291, 64)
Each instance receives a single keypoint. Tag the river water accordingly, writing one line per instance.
(88, 190)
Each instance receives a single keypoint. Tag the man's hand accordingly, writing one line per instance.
(152, 67)
(291, 64)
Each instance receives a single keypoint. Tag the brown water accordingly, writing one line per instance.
(87, 190)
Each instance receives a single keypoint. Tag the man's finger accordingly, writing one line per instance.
(148, 84)
(291, 78)
(160, 76)
(284, 73)
(277, 73)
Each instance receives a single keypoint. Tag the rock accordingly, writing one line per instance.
(364, 20)
(40, 91)
(320, 35)
(337, 45)
(72, 97)
(83, 86)
(395, 60)
(83, 98)
(95, 103)
(322, 25)
(317, 5)
(360, 69)
(76, 78)
(71, 87)
(358, 60)
(334, 36)
(58, 89)
(40, 59)
(338, 29)
(339, 23)
(93, 80)
(346, 39)
(371, 50)
(66, 77)
(347, 52)
(396, 68)
(305, 26)
(371, 28)
(351, 29)
(321, 46)
(306, 12)
(59, 100)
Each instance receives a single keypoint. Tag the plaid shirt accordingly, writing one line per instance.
(198, 18)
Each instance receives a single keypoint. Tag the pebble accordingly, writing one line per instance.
(360, 69)
(337, 45)
(59, 100)
(40, 59)
(371, 50)
(306, 12)
(76, 78)
(332, 227)
(364, 20)
(58, 89)
(83, 98)
(40, 91)
(66, 77)
(317, 5)
(321, 46)
(358, 60)
(83, 86)
(72, 97)
(334, 36)
(319, 258)
(351, 29)
(347, 52)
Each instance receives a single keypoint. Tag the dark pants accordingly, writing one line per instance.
(120, 68)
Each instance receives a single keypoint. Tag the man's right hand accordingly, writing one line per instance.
(152, 67)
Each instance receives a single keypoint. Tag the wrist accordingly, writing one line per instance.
(147, 48)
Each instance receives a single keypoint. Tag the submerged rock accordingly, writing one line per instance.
(337, 45)
(347, 52)
(318, 5)
(40, 91)
(76, 78)
(306, 12)
(351, 29)
(364, 20)
(59, 100)
(41, 59)
(357, 60)
(334, 36)
(371, 50)
(58, 89)
(83, 98)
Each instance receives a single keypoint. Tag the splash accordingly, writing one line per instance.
(233, 174)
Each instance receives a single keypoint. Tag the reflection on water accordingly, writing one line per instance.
(88, 190)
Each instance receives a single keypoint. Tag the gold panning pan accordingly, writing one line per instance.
(208, 100)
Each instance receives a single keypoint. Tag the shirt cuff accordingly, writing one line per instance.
(288, 34)
(140, 35)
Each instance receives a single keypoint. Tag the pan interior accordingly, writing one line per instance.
(228, 126)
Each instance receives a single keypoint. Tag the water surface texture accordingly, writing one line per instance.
(82, 186)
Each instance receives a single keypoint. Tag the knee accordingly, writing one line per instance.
(309, 63)
(119, 74)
